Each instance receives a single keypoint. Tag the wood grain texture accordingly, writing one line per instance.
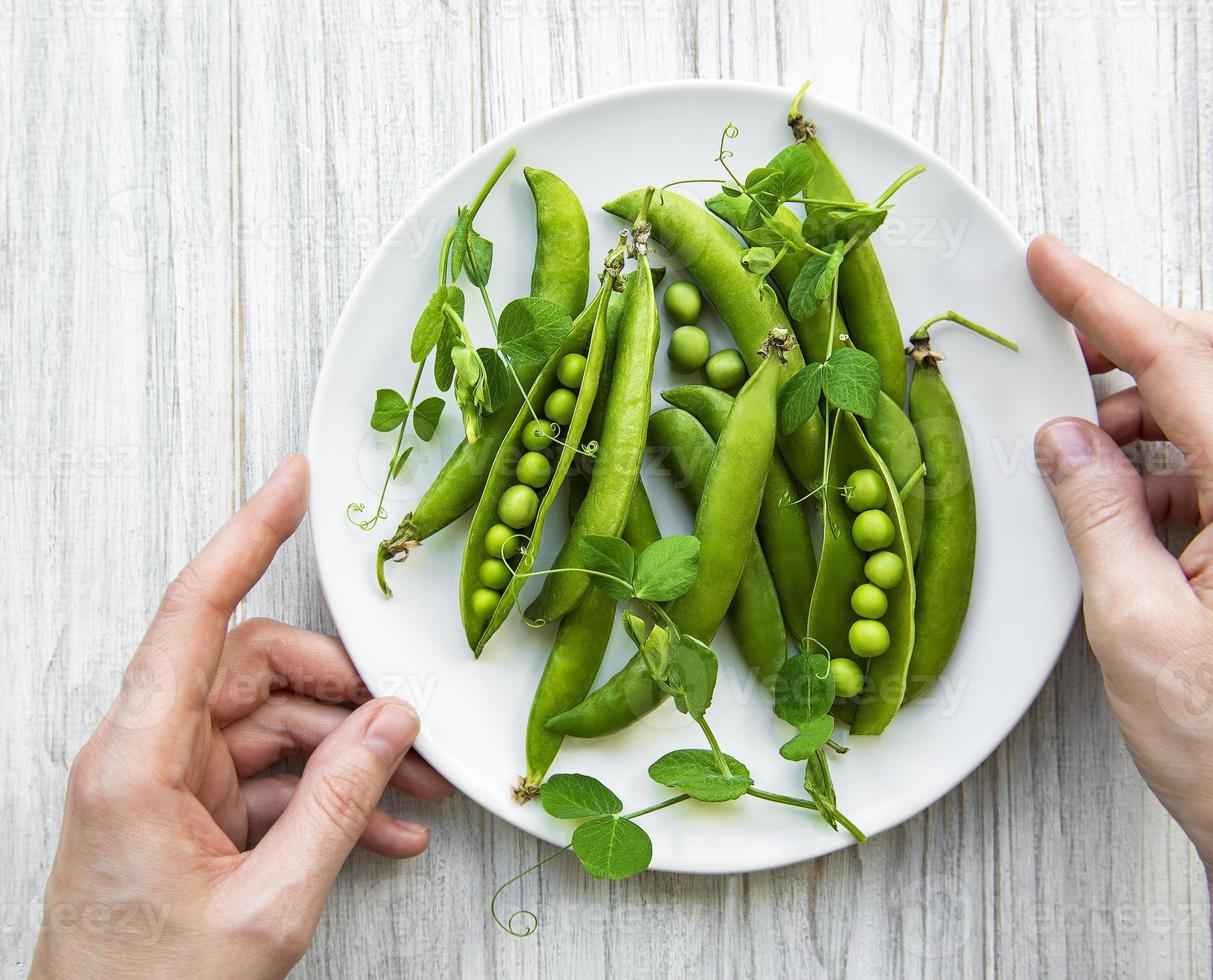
(190, 194)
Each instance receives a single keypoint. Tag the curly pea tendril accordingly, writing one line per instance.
(529, 920)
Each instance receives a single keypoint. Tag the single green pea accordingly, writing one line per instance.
(495, 573)
(868, 638)
(885, 569)
(502, 542)
(872, 530)
(848, 677)
(571, 370)
(683, 302)
(484, 602)
(560, 406)
(725, 370)
(534, 469)
(518, 506)
(865, 490)
(689, 349)
(869, 601)
(538, 434)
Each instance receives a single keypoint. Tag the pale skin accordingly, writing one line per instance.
(227, 874)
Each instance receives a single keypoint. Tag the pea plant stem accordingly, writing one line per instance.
(921, 335)
(656, 806)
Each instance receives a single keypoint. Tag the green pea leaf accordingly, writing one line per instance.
(731, 190)
(691, 675)
(479, 262)
(759, 179)
(656, 273)
(851, 381)
(696, 773)
(804, 689)
(656, 653)
(826, 225)
(426, 417)
(798, 398)
(813, 735)
(429, 326)
(444, 367)
(820, 786)
(815, 281)
(794, 166)
(398, 462)
(759, 260)
(571, 796)
(530, 329)
(609, 556)
(612, 847)
(497, 380)
(390, 410)
(634, 627)
(755, 228)
(459, 242)
(667, 568)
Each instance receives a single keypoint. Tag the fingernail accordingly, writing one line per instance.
(392, 731)
(1063, 448)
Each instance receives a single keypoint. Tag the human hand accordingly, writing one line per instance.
(152, 876)
(1149, 616)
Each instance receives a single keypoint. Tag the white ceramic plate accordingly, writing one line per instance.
(943, 247)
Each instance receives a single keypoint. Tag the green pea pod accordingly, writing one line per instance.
(712, 256)
(719, 481)
(892, 435)
(841, 571)
(561, 275)
(502, 477)
(581, 642)
(813, 333)
(616, 466)
(783, 527)
(562, 242)
(862, 290)
(949, 542)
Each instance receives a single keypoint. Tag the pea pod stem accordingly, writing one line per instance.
(921, 337)
(912, 482)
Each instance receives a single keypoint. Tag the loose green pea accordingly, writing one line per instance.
(683, 302)
(518, 506)
(538, 434)
(848, 677)
(725, 370)
(689, 349)
(884, 569)
(502, 542)
(872, 530)
(560, 406)
(865, 490)
(534, 469)
(571, 370)
(868, 638)
(495, 573)
(869, 602)
(484, 602)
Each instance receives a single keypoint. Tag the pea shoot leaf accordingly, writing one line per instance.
(459, 242)
(755, 229)
(390, 410)
(820, 786)
(691, 675)
(633, 626)
(696, 773)
(479, 261)
(829, 224)
(444, 367)
(793, 166)
(609, 556)
(426, 417)
(731, 190)
(759, 260)
(530, 329)
(667, 568)
(571, 796)
(497, 379)
(397, 463)
(798, 398)
(804, 689)
(429, 326)
(815, 281)
(656, 652)
(851, 381)
(813, 735)
(612, 847)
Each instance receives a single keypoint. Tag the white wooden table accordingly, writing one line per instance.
(188, 197)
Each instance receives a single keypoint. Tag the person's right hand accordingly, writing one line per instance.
(1149, 616)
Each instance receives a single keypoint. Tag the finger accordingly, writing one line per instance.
(1172, 362)
(182, 647)
(267, 797)
(331, 809)
(289, 725)
(1126, 418)
(262, 656)
(1102, 504)
(1197, 563)
(1097, 363)
(1199, 320)
(1171, 499)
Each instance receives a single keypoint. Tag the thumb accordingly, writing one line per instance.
(337, 793)
(1102, 503)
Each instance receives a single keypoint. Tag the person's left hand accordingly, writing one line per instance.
(152, 875)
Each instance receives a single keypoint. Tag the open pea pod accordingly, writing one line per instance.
(589, 335)
(892, 435)
(841, 570)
